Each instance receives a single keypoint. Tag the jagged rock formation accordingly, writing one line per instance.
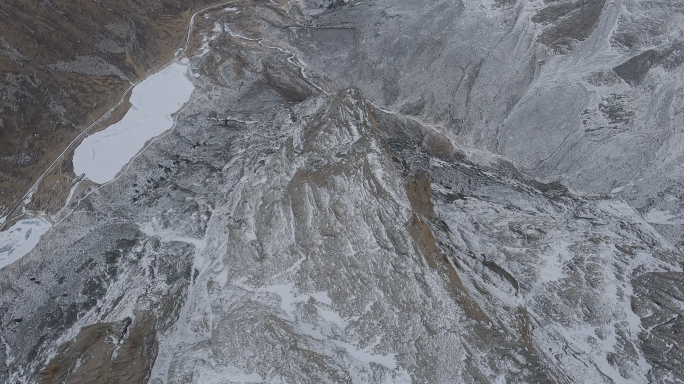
(387, 204)
(581, 92)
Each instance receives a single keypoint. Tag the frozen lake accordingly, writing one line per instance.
(102, 155)
(20, 239)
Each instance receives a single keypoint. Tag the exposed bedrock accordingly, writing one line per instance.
(580, 92)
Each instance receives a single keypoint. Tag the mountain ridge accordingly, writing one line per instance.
(321, 236)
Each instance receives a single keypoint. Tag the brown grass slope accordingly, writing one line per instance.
(62, 63)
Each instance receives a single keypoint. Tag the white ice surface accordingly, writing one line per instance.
(102, 155)
(553, 265)
(20, 239)
(657, 216)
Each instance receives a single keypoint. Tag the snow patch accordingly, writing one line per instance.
(657, 216)
(153, 229)
(552, 269)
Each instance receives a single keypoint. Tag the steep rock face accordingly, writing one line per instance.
(657, 302)
(581, 92)
(316, 235)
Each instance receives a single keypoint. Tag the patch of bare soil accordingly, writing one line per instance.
(419, 194)
(121, 352)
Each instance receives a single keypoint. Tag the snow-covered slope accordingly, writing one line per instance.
(314, 218)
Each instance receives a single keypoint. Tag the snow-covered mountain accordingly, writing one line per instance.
(382, 192)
